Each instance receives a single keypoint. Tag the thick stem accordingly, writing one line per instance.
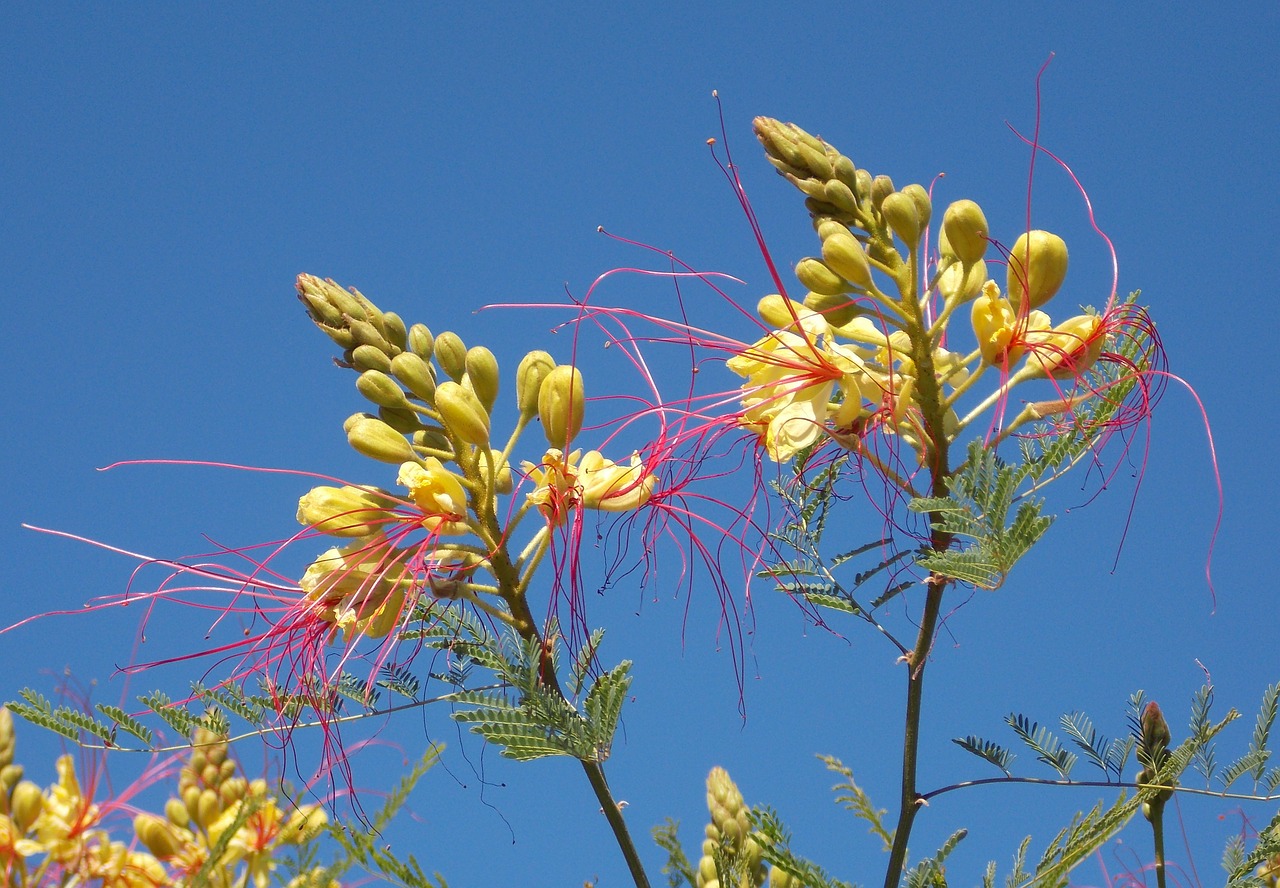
(612, 813)
(910, 801)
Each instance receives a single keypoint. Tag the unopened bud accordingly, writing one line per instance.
(845, 256)
(365, 333)
(1037, 267)
(377, 440)
(404, 421)
(415, 373)
(393, 328)
(502, 482)
(779, 312)
(960, 282)
(7, 737)
(881, 187)
(451, 354)
(157, 835)
(461, 411)
(838, 310)
(343, 511)
(534, 368)
(208, 807)
(846, 172)
(924, 205)
(25, 805)
(818, 277)
(368, 357)
(176, 812)
(381, 389)
(482, 370)
(421, 342)
(900, 213)
(840, 195)
(561, 405)
(964, 228)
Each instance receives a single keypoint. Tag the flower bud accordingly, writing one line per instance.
(924, 205)
(343, 511)
(176, 812)
(964, 228)
(7, 737)
(482, 370)
(157, 835)
(561, 405)
(9, 776)
(393, 328)
(377, 440)
(208, 807)
(779, 312)
(862, 188)
(846, 172)
(381, 389)
(313, 290)
(405, 420)
(844, 255)
(840, 195)
(432, 439)
(367, 357)
(421, 342)
(881, 187)
(1037, 267)
(451, 354)
(25, 805)
(838, 310)
(818, 277)
(900, 214)
(461, 411)
(365, 333)
(960, 282)
(533, 369)
(415, 374)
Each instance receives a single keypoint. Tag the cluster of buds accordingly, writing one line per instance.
(60, 835)
(435, 400)
(853, 356)
(730, 855)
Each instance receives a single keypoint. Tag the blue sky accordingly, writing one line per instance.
(168, 170)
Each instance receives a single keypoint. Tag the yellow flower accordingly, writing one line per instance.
(1002, 335)
(611, 487)
(1067, 350)
(360, 587)
(439, 493)
(555, 485)
(64, 815)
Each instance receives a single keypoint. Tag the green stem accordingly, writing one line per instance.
(612, 813)
(1157, 831)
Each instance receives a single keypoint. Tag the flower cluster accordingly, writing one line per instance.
(221, 830)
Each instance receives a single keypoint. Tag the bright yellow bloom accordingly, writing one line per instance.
(611, 487)
(1002, 335)
(1067, 350)
(65, 816)
(439, 493)
(360, 587)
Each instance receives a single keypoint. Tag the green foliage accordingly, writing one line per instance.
(855, 799)
(930, 872)
(678, 870)
(1108, 755)
(988, 750)
(1047, 747)
(360, 842)
(775, 846)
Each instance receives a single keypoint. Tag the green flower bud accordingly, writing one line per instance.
(461, 411)
(482, 370)
(381, 389)
(561, 405)
(503, 482)
(815, 159)
(881, 187)
(838, 194)
(776, 141)
(353, 419)
(838, 310)
(900, 213)
(377, 440)
(421, 342)
(811, 187)
(924, 206)
(533, 369)
(845, 256)
(157, 835)
(365, 333)
(344, 512)
(415, 373)
(176, 813)
(862, 187)
(819, 277)
(1037, 267)
(7, 737)
(208, 807)
(393, 328)
(778, 312)
(451, 354)
(959, 282)
(25, 805)
(432, 439)
(314, 291)
(846, 172)
(368, 357)
(964, 228)
(706, 870)
(405, 421)
(9, 777)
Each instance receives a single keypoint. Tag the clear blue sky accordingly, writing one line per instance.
(166, 171)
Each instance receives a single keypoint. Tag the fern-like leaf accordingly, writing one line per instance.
(855, 799)
(987, 750)
(1047, 747)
